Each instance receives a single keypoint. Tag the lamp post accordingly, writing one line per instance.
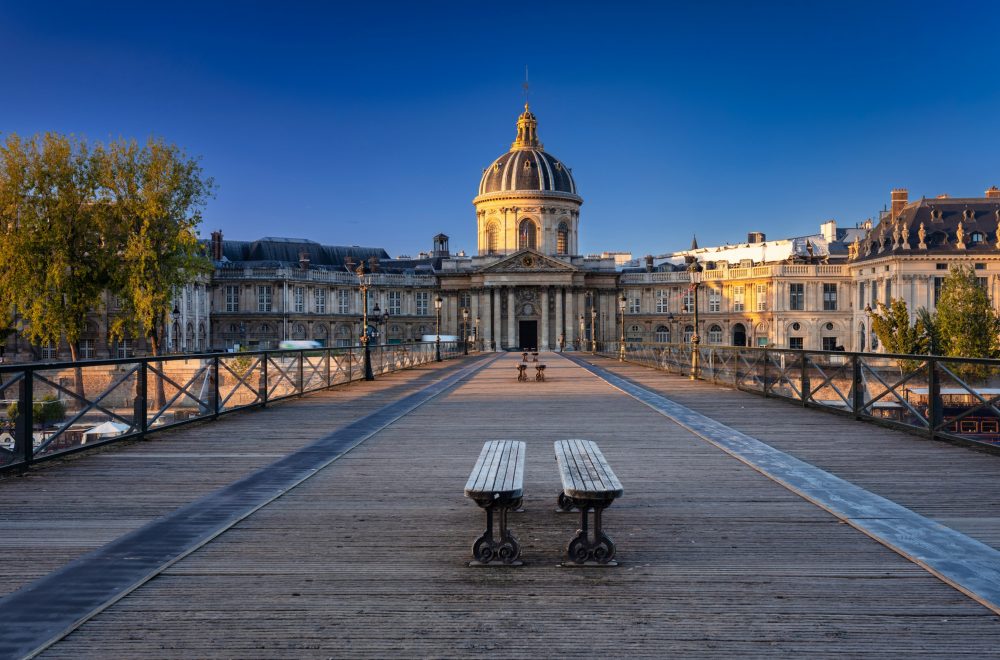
(363, 285)
(593, 326)
(583, 334)
(621, 338)
(437, 339)
(176, 316)
(866, 338)
(694, 270)
(476, 335)
(465, 331)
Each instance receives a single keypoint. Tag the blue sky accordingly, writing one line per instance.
(370, 123)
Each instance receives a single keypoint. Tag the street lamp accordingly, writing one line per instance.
(176, 316)
(465, 331)
(593, 325)
(476, 335)
(363, 285)
(621, 339)
(437, 339)
(694, 270)
(583, 334)
(866, 338)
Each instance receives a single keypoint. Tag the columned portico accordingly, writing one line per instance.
(511, 316)
(543, 340)
(560, 331)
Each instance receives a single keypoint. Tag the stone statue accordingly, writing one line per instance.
(906, 236)
(960, 233)
(895, 235)
(998, 231)
(922, 234)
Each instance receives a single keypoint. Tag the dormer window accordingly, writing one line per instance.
(969, 215)
(976, 237)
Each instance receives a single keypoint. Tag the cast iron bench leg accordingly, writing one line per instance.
(487, 549)
(581, 548)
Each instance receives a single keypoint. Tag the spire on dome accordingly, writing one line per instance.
(527, 131)
(694, 242)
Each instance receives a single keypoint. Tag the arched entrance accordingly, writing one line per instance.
(739, 335)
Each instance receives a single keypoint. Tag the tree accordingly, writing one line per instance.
(892, 327)
(966, 324)
(156, 194)
(57, 268)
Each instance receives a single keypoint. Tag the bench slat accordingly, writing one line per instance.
(584, 470)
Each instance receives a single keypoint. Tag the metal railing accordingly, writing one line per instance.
(51, 409)
(953, 399)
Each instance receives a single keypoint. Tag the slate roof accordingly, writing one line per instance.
(527, 170)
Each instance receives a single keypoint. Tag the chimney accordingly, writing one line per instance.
(217, 245)
(756, 237)
(993, 192)
(349, 263)
(372, 263)
(304, 259)
(899, 197)
(649, 263)
(829, 230)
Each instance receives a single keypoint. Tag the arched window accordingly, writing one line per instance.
(526, 235)
(663, 334)
(492, 239)
(562, 239)
(715, 335)
(688, 333)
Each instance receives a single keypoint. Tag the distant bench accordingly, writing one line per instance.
(497, 485)
(588, 482)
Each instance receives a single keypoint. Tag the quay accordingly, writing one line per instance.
(334, 525)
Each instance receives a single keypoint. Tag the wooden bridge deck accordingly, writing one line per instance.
(368, 557)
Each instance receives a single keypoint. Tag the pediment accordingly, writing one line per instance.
(529, 261)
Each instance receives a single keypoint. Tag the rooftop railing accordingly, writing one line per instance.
(52, 409)
(951, 399)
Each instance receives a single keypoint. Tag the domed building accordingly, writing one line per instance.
(527, 199)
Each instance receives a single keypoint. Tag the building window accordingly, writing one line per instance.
(976, 237)
(319, 301)
(264, 298)
(861, 295)
(464, 300)
(526, 235)
(492, 239)
(562, 239)
(980, 266)
(423, 302)
(343, 301)
(393, 302)
(941, 266)
(715, 335)
(830, 343)
(634, 304)
(829, 297)
(761, 297)
(662, 301)
(874, 288)
(232, 298)
(48, 351)
(688, 333)
(299, 298)
(796, 297)
(123, 349)
(687, 304)
(938, 281)
(795, 342)
(714, 300)
(662, 334)
(86, 349)
(738, 298)
(982, 282)
(888, 292)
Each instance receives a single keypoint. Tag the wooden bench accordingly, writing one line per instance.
(588, 483)
(497, 485)
(540, 372)
(522, 372)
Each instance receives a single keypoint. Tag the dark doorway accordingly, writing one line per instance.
(529, 335)
(739, 335)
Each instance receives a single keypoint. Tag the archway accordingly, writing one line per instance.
(739, 335)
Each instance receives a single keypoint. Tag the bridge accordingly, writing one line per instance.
(334, 525)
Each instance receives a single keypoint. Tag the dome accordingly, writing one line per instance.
(527, 167)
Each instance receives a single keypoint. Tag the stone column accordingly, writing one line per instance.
(473, 315)
(560, 329)
(511, 325)
(497, 313)
(543, 340)
(572, 319)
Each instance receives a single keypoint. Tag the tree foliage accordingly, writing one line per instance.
(77, 220)
(892, 327)
(966, 324)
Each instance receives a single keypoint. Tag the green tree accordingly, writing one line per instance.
(892, 327)
(966, 324)
(57, 268)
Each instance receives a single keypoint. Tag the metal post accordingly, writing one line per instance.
(302, 382)
(24, 437)
(215, 387)
(935, 412)
(858, 388)
(263, 380)
(437, 338)
(593, 327)
(695, 339)
(621, 337)
(141, 406)
(804, 385)
(763, 376)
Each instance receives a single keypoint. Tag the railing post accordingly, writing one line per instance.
(215, 387)
(804, 385)
(302, 373)
(262, 382)
(329, 358)
(141, 407)
(24, 438)
(935, 412)
(858, 388)
(763, 375)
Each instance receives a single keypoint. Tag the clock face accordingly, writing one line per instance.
(528, 261)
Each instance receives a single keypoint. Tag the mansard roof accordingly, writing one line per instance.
(279, 252)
